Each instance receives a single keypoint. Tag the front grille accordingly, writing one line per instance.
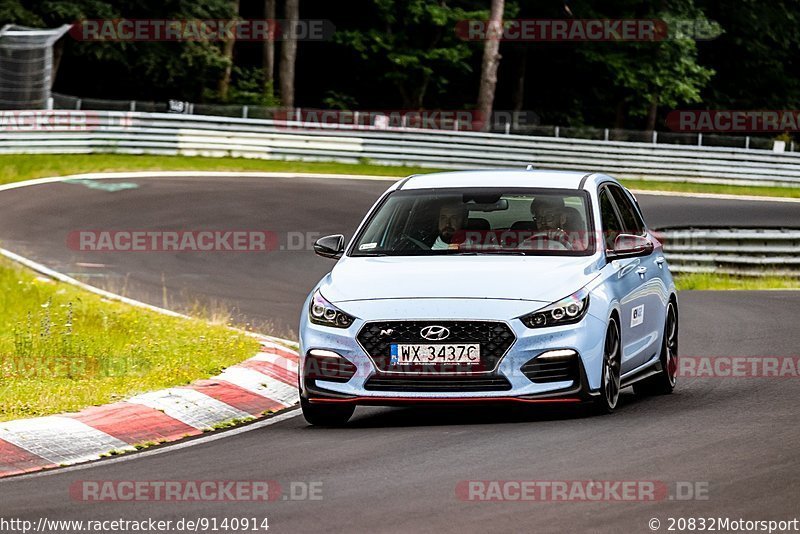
(495, 339)
(544, 370)
(465, 384)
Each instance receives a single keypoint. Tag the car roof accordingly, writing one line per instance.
(546, 179)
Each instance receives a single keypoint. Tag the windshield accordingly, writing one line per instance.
(551, 222)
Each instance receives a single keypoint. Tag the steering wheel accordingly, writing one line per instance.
(557, 235)
(406, 241)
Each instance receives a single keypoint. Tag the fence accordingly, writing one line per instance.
(521, 123)
(752, 252)
(61, 132)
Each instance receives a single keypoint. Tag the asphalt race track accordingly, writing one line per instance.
(262, 288)
(396, 470)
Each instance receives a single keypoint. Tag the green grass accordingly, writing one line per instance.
(63, 348)
(787, 192)
(725, 281)
(15, 168)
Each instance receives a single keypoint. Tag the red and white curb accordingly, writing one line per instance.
(263, 384)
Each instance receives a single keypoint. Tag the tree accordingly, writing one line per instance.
(491, 62)
(268, 57)
(757, 59)
(289, 52)
(225, 80)
(652, 74)
(130, 69)
(412, 46)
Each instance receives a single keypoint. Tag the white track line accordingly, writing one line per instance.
(240, 174)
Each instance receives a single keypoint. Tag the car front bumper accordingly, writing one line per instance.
(584, 338)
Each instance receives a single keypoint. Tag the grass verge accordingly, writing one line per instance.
(15, 168)
(719, 189)
(63, 348)
(18, 167)
(690, 281)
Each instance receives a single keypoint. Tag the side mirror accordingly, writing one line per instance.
(330, 246)
(629, 246)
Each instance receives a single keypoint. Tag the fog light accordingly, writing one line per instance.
(327, 365)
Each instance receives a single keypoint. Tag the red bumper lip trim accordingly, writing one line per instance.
(424, 400)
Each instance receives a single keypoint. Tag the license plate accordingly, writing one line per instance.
(435, 353)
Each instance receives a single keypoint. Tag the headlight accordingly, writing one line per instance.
(568, 310)
(320, 311)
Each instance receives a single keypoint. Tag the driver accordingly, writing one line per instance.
(452, 219)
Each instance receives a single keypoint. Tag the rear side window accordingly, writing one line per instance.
(611, 224)
(631, 219)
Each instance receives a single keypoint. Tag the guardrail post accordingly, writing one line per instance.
(557, 128)
(655, 137)
(605, 134)
(78, 104)
(133, 105)
(700, 139)
(508, 128)
(244, 111)
(50, 103)
(747, 142)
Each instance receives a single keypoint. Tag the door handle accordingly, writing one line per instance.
(641, 270)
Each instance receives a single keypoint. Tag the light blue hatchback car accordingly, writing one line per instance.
(498, 286)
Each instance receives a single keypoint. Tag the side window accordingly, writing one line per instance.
(611, 225)
(630, 216)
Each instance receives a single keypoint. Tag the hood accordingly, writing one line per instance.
(531, 278)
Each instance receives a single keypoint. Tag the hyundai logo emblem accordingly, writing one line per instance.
(435, 332)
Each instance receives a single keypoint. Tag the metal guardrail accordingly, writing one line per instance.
(59, 132)
(751, 252)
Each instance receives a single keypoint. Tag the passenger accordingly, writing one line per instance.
(545, 212)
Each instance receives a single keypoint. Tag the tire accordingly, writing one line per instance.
(607, 401)
(325, 414)
(664, 382)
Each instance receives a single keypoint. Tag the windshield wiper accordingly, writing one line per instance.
(501, 252)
